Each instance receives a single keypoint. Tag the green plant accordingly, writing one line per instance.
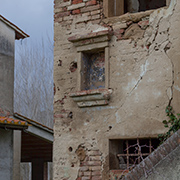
(173, 124)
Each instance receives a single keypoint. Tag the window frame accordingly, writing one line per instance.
(111, 8)
(81, 68)
(117, 149)
(92, 41)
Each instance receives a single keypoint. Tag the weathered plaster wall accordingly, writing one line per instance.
(16, 154)
(6, 155)
(7, 37)
(143, 75)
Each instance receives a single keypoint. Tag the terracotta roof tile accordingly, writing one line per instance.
(10, 121)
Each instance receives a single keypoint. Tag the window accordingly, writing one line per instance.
(125, 154)
(119, 7)
(93, 71)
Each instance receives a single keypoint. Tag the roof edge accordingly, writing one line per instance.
(20, 34)
(10, 123)
(35, 123)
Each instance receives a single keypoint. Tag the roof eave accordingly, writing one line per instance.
(19, 33)
(14, 127)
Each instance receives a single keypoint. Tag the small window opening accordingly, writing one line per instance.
(125, 154)
(93, 70)
(119, 7)
(142, 5)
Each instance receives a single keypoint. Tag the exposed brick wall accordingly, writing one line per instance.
(85, 10)
(130, 29)
(135, 71)
(91, 166)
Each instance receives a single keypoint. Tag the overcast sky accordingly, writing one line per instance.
(35, 17)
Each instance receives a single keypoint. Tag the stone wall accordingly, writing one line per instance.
(141, 78)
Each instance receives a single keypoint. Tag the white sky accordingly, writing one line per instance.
(35, 17)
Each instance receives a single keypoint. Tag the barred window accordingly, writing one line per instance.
(126, 153)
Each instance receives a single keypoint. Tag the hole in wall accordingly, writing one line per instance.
(70, 115)
(73, 66)
(59, 63)
(81, 153)
(70, 149)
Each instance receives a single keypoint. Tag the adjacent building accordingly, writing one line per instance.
(26, 145)
(116, 69)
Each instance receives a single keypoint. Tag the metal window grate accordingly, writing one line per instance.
(134, 151)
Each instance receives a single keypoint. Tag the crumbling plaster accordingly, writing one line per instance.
(144, 74)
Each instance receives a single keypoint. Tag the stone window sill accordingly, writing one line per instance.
(91, 40)
(90, 98)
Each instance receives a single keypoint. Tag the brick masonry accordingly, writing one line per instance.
(91, 166)
(84, 10)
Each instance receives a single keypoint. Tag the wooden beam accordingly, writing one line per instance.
(119, 8)
(113, 7)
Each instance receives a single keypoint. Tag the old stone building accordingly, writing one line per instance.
(116, 68)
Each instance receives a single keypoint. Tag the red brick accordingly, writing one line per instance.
(76, 11)
(92, 2)
(77, 1)
(62, 14)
